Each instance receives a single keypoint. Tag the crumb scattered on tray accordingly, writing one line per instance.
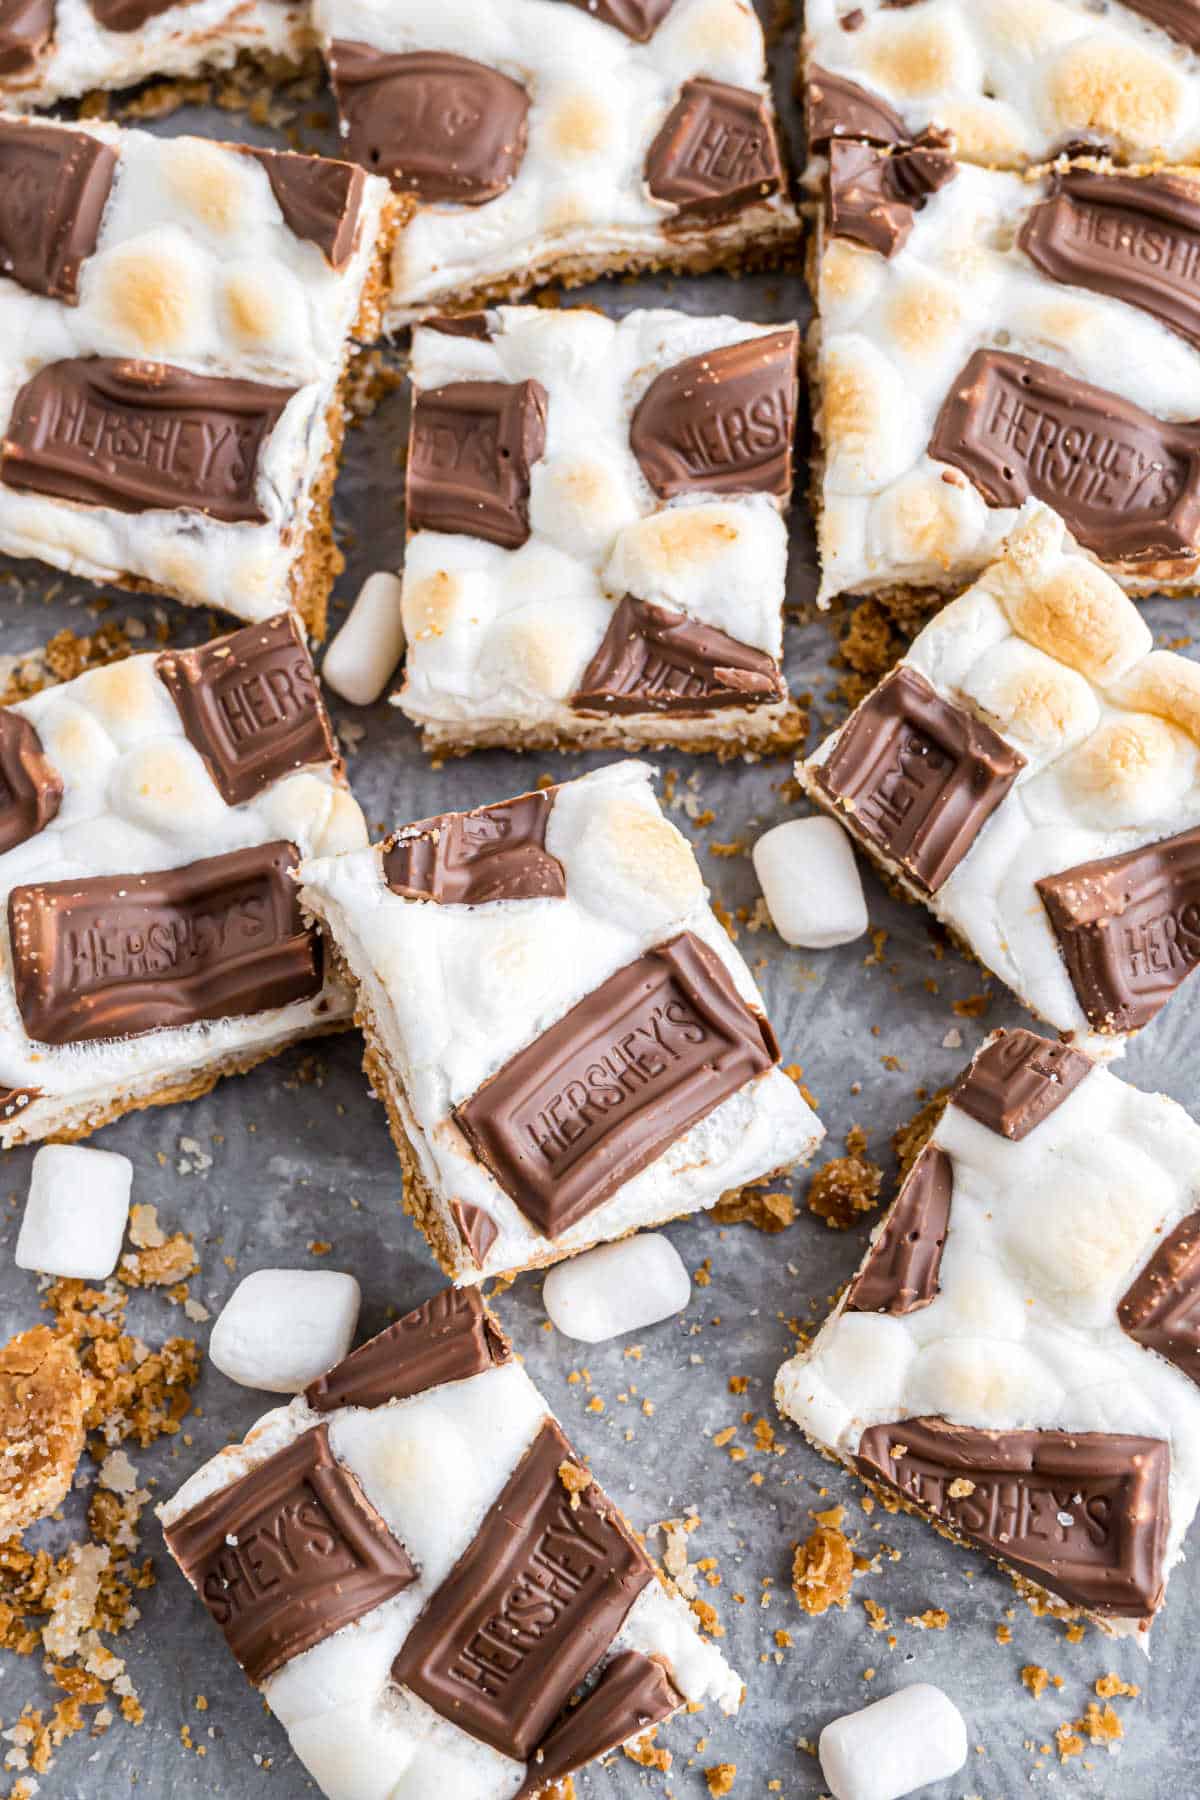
(720, 1779)
(647, 1754)
(822, 1570)
(43, 1397)
(766, 1212)
(845, 1188)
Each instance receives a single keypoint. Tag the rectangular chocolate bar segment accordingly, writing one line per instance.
(603, 1092)
(722, 422)
(530, 1607)
(1161, 1309)
(1019, 1080)
(450, 1338)
(120, 955)
(54, 186)
(717, 151)
(473, 446)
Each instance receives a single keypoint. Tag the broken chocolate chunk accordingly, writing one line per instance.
(721, 422)
(1161, 1309)
(31, 789)
(26, 29)
(320, 199)
(632, 1693)
(450, 1338)
(1180, 19)
(1018, 1080)
(836, 107)
(477, 1229)
(872, 197)
(638, 19)
(653, 659)
(717, 152)
(54, 186)
(469, 859)
(473, 446)
(900, 1274)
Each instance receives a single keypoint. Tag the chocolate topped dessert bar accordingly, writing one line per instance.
(597, 553)
(152, 815)
(567, 1044)
(986, 337)
(431, 1591)
(177, 317)
(560, 140)
(1016, 1358)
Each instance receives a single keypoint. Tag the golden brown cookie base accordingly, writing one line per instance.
(43, 1397)
(762, 731)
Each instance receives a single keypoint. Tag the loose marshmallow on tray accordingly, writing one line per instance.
(597, 554)
(1031, 772)
(616, 1288)
(901, 1743)
(175, 325)
(281, 1328)
(566, 1041)
(811, 884)
(538, 141)
(362, 657)
(76, 1213)
(153, 811)
(1015, 1358)
(414, 1567)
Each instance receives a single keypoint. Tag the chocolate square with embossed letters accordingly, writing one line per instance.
(473, 446)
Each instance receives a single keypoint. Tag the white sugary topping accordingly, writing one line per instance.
(1045, 1236)
(456, 991)
(896, 332)
(137, 797)
(1047, 649)
(195, 266)
(1016, 79)
(432, 1466)
(502, 637)
(598, 100)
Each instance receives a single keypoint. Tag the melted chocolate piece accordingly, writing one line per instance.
(461, 325)
(128, 15)
(716, 153)
(900, 1274)
(530, 1607)
(838, 108)
(119, 955)
(468, 859)
(138, 436)
(638, 19)
(918, 777)
(288, 1554)
(652, 659)
(251, 706)
(473, 445)
(1128, 928)
(450, 1338)
(320, 199)
(477, 1228)
(872, 198)
(15, 1100)
(1180, 19)
(438, 126)
(54, 186)
(26, 29)
(1161, 1309)
(599, 1095)
(632, 1693)
(31, 789)
(1126, 484)
(1018, 1080)
(722, 422)
(1083, 1513)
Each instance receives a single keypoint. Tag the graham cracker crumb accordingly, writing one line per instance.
(576, 1481)
(847, 1186)
(1108, 1687)
(43, 1398)
(822, 1570)
(934, 1618)
(1037, 1679)
(720, 1779)
(766, 1212)
(647, 1754)
(160, 1265)
(909, 1141)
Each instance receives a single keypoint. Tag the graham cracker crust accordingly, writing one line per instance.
(766, 731)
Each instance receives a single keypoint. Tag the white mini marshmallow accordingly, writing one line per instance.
(362, 656)
(811, 884)
(914, 1737)
(76, 1212)
(620, 1287)
(281, 1328)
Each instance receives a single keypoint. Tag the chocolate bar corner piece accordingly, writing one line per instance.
(26, 30)
(873, 198)
(54, 186)
(31, 788)
(638, 19)
(250, 706)
(1084, 1514)
(1018, 1080)
(1128, 928)
(320, 199)
(722, 422)
(450, 1338)
(473, 858)
(473, 446)
(836, 107)
(918, 777)
(900, 1273)
(632, 1693)
(1161, 1308)
(655, 660)
(717, 152)
(477, 1229)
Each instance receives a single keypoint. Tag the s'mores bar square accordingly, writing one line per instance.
(985, 337)
(176, 318)
(597, 553)
(567, 1044)
(1016, 1357)
(1031, 772)
(431, 1591)
(152, 815)
(560, 140)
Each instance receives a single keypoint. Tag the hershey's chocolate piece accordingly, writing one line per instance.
(31, 789)
(54, 186)
(461, 325)
(652, 659)
(1126, 483)
(1128, 928)
(119, 955)
(716, 153)
(632, 1693)
(438, 126)
(467, 859)
(1161, 1309)
(836, 107)
(600, 1094)
(638, 19)
(128, 15)
(872, 197)
(1180, 19)
(900, 1274)
(473, 445)
(138, 436)
(1083, 1513)
(26, 29)
(478, 1229)
(288, 1554)
(320, 199)
(1018, 1081)
(529, 1608)
(722, 422)
(918, 777)
(251, 706)
(450, 1338)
